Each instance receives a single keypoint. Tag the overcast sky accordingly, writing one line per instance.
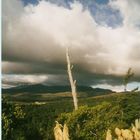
(103, 39)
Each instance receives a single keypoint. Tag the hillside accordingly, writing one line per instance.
(100, 113)
(39, 92)
(91, 122)
(40, 88)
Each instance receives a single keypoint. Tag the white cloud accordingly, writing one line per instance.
(31, 79)
(118, 88)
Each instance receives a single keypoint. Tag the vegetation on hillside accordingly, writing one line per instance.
(91, 121)
(12, 120)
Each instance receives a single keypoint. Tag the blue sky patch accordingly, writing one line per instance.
(26, 2)
(102, 1)
(100, 10)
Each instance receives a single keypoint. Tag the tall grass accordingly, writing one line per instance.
(126, 134)
(61, 132)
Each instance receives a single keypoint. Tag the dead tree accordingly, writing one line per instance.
(72, 82)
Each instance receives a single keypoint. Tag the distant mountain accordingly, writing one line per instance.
(40, 88)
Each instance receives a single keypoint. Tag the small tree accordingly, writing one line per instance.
(127, 77)
(72, 82)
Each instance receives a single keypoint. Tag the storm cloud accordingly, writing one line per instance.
(35, 38)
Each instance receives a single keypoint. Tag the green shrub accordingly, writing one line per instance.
(91, 123)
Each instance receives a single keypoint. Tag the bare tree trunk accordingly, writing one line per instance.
(72, 82)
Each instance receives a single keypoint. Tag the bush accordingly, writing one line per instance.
(91, 123)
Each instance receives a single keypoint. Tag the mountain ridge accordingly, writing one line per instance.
(41, 88)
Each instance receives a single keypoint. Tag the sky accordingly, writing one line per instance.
(102, 37)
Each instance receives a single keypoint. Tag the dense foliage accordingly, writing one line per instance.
(91, 123)
(12, 120)
(31, 121)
